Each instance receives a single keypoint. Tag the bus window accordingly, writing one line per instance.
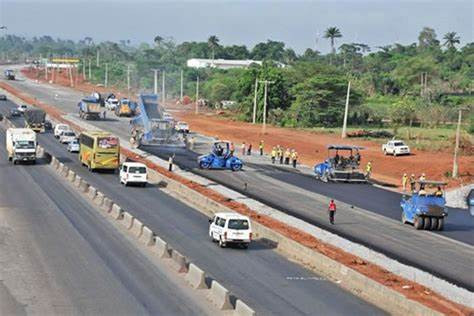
(107, 142)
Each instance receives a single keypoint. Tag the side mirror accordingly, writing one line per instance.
(210, 220)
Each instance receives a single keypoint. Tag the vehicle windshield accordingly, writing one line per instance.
(107, 142)
(69, 134)
(25, 144)
(137, 170)
(63, 127)
(398, 144)
(238, 224)
(74, 142)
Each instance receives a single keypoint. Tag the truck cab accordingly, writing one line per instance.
(395, 148)
(21, 145)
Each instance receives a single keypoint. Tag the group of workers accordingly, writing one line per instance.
(411, 181)
(284, 156)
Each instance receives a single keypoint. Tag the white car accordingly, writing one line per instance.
(111, 104)
(182, 127)
(59, 128)
(66, 137)
(22, 108)
(73, 146)
(230, 228)
(133, 173)
(395, 148)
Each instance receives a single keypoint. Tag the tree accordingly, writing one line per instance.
(271, 50)
(451, 39)
(427, 38)
(213, 43)
(158, 40)
(332, 33)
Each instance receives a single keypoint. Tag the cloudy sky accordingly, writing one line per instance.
(300, 24)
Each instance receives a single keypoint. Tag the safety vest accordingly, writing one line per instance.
(287, 153)
(294, 155)
(369, 167)
(274, 153)
(260, 146)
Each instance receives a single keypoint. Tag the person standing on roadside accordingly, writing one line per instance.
(243, 149)
(249, 150)
(332, 211)
(274, 154)
(260, 147)
(287, 156)
(280, 154)
(231, 148)
(412, 183)
(404, 182)
(368, 170)
(294, 157)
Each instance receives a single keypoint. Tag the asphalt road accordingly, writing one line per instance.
(60, 256)
(293, 193)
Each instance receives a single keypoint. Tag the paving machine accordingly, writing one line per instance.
(220, 158)
(342, 164)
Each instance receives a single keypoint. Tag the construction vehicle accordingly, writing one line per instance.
(89, 108)
(9, 74)
(220, 158)
(425, 209)
(21, 145)
(340, 167)
(35, 119)
(125, 108)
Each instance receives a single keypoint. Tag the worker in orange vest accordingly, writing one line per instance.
(332, 211)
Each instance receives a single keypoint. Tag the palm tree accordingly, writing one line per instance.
(332, 33)
(213, 43)
(451, 39)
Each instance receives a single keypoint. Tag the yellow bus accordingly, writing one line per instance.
(99, 150)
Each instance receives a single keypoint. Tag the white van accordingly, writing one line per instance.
(227, 228)
(59, 128)
(133, 173)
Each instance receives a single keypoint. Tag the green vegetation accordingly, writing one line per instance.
(418, 85)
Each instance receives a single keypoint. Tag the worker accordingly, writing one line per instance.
(249, 150)
(439, 192)
(243, 149)
(260, 147)
(191, 143)
(421, 180)
(280, 155)
(412, 183)
(287, 156)
(170, 163)
(294, 157)
(104, 114)
(332, 211)
(231, 148)
(274, 154)
(368, 169)
(357, 158)
(404, 182)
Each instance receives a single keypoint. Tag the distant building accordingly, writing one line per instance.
(221, 63)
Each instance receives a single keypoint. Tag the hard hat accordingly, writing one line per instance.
(412, 174)
(423, 174)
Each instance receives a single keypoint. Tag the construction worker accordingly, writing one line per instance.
(421, 180)
(191, 143)
(439, 192)
(231, 148)
(249, 150)
(404, 182)
(260, 147)
(412, 183)
(294, 157)
(287, 156)
(368, 170)
(332, 211)
(280, 154)
(274, 154)
(243, 149)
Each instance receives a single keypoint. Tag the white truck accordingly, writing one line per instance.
(395, 148)
(21, 145)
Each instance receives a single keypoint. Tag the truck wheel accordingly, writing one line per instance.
(418, 223)
(236, 167)
(434, 223)
(244, 245)
(427, 224)
(440, 224)
(403, 218)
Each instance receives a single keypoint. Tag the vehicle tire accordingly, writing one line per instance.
(325, 177)
(144, 184)
(236, 167)
(204, 165)
(221, 243)
(404, 220)
(440, 224)
(14, 161)
(427, 223)
(244, 245)
(434, 223)
(419, 223)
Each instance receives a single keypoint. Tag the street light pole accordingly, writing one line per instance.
(197, 96)
(106, 75)
(346, 111)
(163, 88)
(128, 80)
(181, 90)
(155, 82)
(456, 147)
(89, 69)
(254, 116)
(265, 97)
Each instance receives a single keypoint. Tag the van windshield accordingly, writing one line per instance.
(137, 170)
(239, 224)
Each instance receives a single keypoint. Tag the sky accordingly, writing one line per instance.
(300, 24)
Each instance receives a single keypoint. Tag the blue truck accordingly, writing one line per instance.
(90, 108)
(220, 158)
(425, 208)
(342, 165)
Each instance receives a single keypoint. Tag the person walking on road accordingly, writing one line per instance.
(249, 150)
(294, 157)
(412, 183)
(287, 156)
(243, 149)
(332, 211)
(368, 170)
(260, 147)
(274, 154)
(404, 182)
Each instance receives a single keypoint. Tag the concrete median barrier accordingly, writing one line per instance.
(127, 220)
(137, 228)
(179, 262)
(242, 309)
(99, 198)
(77, 181)
(116, 213)
(147, 237)
(91, 192)
(71, 176)
(83, 186)
(60, 167)
(55, 162)
(64, 170)
(107, 204)
(161, 248)
(40, 152)
(220, 296)
(196, 277)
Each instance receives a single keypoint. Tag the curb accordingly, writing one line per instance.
(219, 296)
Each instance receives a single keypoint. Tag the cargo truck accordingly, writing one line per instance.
(35, 119)
(9, 74)
(89, 108)
(21, 145)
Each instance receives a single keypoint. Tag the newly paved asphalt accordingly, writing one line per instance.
(293, 193)
(60, 256)
(259, 276)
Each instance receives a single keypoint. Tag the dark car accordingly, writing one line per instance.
(470, 202)
(48, 126)
(3, 97)
(15, 112)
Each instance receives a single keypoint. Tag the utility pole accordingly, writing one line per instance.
(181, 90)
(254, 116)
(264, 125)
(84, 69)
(346, 111)
(197, 96)
(155, 81)
(128, 80)
(456, 147)
(46, 70)
(98, 57)
(106, 75)
(90, 69)
(163, 88)
(71, 80)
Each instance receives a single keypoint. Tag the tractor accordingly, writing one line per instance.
(220, 158)
(425, 209)
(339, 167)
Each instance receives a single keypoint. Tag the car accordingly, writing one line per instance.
(66, 137)
(59, 128)
(220, 157)
(133, 173)
(22, 108)
(470, 202)
(395, 148)
(3, 97)
(15, 112)
(111, 102)
(230, 228)
(182, 127)
(73, 146)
